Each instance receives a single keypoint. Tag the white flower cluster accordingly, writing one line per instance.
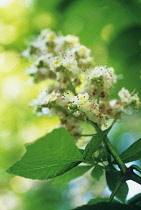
(79, 91)
(58, 57)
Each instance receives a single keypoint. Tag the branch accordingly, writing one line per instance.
(115, 155)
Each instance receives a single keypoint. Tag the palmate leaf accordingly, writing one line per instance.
(108, 206)
(113, 176)
(48, 157)
(97, 172)
(71, 174)
(135, 200)
(94, 144)
(132, 153)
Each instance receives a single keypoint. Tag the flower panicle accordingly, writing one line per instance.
(80, 90)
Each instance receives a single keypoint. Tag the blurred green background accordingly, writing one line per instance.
(112, 30)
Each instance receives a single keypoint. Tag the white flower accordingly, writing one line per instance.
(83, 98)
(73, 40)
(53, 96)
(101, 71)
(116, 106)
(42, 99)
(80, 99)
(77, 88)
(96, 72)
(48, 35)
(32, 70)
(136, 101)
(47, 111)
(68, 96)
(125, 96)
(59, 44)
(82, 51)
(70, 63)
(45, 98)
(55, 63)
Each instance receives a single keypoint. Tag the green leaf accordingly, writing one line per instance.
(71, 174)
(99, 200)
(108, 206)
(132, 153)
(48, 157)
(113, 176)
(135, 200)
(94, 144)
(97, 172)
(103, 154)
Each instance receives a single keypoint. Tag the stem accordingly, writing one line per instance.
(96, 127)
(67, 113)
(78, 118)
(115, 155)
(120, 182)
(129, 175)
(70, 83)
(98, 94)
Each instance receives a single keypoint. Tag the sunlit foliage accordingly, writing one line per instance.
(112, 29)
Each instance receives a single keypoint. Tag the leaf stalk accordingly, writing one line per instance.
(115, 155)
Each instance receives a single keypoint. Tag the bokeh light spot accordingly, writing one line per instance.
(11, 87)
(106, 32)
(8, 33)
(20, 184)
(8, 60)
(4, 3)
(44, 20)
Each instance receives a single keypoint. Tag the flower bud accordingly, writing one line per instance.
(71, 111)
(73, 106)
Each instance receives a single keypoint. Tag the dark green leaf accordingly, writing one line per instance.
(108, 206)
(71, 174)
(103, 154)
(135, 200)
(99, 200)
(81, 151)
(94, 144)
(97, 172)
(113, 176)
(48, 157)
(132, 153)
